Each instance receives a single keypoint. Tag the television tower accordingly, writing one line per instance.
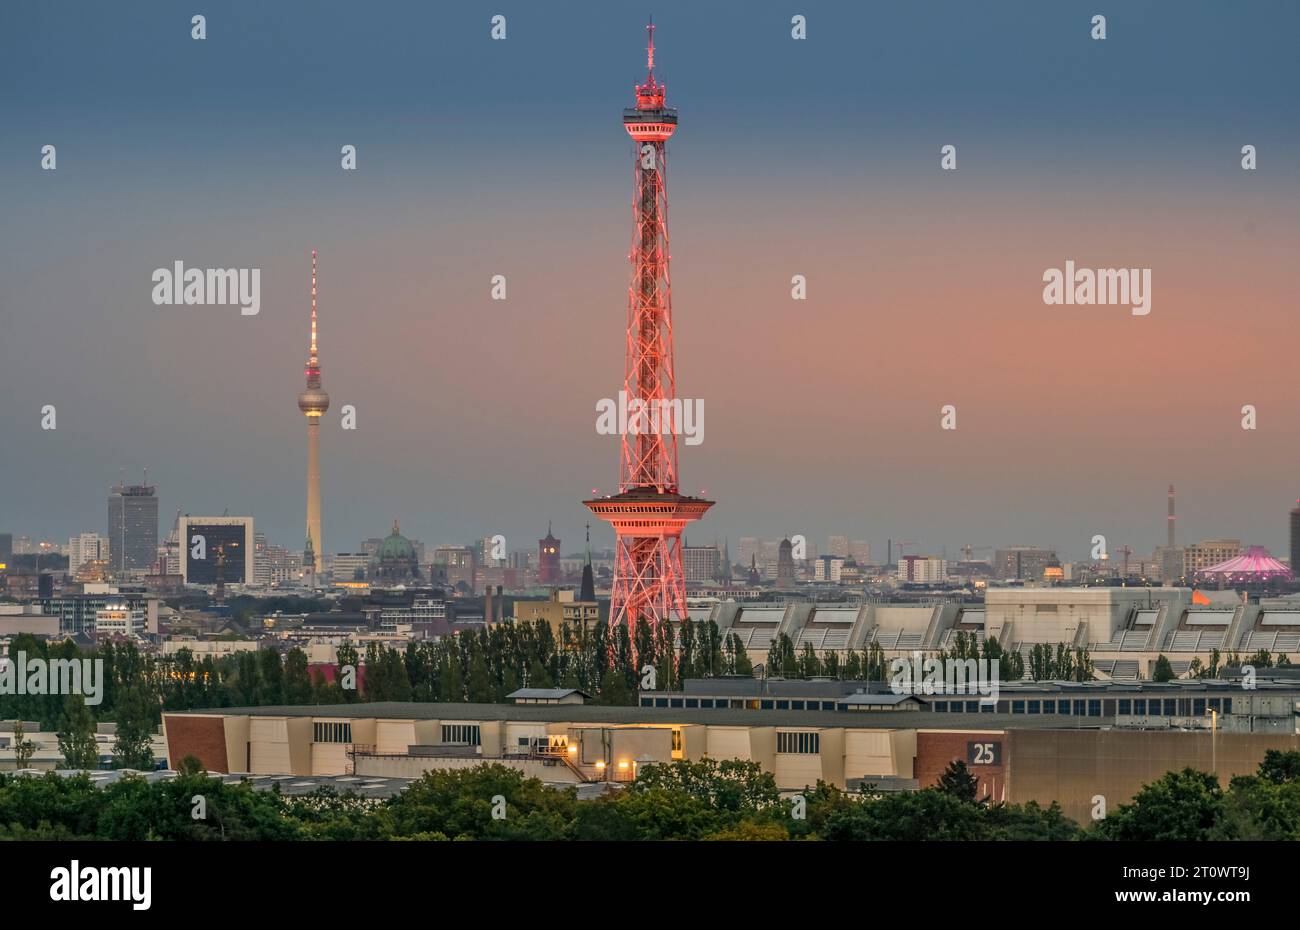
(313, 402)
(648, 514)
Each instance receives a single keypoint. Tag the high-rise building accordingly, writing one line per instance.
(700, 563)
(1209, 552)
(922, 569)
(132, 527)
(827, 568)
(217, 550)
(350, 566)
(455, 566)
(86, 547)
(548, 559)
(487, 546)
(837, 545)
(169, 550)
(648, 513)
(6, 547)
(313, 402)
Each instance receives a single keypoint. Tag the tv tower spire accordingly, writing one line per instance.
(313, 402)
(648, 514)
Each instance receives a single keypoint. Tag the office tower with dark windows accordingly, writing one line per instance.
(132, 527)
(217, 550)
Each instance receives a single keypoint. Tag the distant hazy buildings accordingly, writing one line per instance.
(132, 527)
(1026, 563)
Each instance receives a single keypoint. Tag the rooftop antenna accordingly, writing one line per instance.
(313, 303)
(650, 50)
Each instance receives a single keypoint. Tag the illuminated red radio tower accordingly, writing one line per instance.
(648, 514)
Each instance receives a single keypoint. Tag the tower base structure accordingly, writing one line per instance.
(649, 582)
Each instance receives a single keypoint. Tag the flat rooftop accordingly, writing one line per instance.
(721, 717)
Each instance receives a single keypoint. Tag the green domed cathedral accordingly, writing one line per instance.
(396, 560)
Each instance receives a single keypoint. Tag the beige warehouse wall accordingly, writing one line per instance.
(794, 771)
(299, 733)
(832, 746)
(268, 740)
(237, 749)
(329, 758)
(393, 735)
(762, 747)
(729, 743)
(695, 742)
(869, 752)
(1073, 766)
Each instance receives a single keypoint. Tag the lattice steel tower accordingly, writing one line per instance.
(648, 514)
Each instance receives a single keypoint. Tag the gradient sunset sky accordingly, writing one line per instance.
(816, 157)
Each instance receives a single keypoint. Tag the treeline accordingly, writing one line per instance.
(705, 800)
(480, 667)
(1262, 658)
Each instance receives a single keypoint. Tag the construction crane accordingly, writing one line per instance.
(967, 551)
(1128, 551)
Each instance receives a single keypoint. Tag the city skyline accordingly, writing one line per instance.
(924, 289)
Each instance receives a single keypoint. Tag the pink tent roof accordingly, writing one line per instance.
(1256, 562)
